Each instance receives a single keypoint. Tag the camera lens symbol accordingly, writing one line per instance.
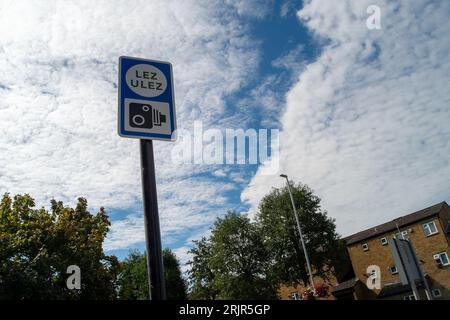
(138, 120)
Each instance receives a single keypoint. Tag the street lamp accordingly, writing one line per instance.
(299, 231)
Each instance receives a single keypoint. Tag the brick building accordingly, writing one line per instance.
(429, 232)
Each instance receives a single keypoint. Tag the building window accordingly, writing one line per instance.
(429, 228)
(441, 259)
(409, 297)
(365, 246)
(393, 270)
(383, 241)
(402, 235)
(437, 293)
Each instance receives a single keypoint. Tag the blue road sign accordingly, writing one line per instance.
(146, 99)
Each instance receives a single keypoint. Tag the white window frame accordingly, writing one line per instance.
(409, 297)
(440, 259)
(365, 246)
(402, 235)
(383, 241)
(392, 267)
(427, 226)
(439, 295)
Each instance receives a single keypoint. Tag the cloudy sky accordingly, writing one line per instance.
(363, 114)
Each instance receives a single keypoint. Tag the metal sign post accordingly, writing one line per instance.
(155, 267)
(147, 112)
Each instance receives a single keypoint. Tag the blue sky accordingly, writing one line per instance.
(276, 35)
(363, 114)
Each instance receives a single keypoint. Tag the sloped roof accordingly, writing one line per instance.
(392, 225)
(394, 289)
(345, 285)
(398, 288)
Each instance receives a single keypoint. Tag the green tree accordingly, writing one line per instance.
(232, 263)
(133, 281)
(175, 284)
(36, 247)
(201, 273)
(277, 225)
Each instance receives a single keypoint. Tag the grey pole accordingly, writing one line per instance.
(422, 276)
(155, 267)
(311, 279)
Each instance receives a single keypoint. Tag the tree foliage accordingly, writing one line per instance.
(277, 224)
(231, 263)
(241, 259)
(202, 274)
(175, 284)
(37, 246)
(251, 260)
(133, 282)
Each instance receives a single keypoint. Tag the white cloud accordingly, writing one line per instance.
(58, 100)
(366, 124)
(287, 8)
(253, 8)
(220, 173)
(292, 60)
(126, 232)
(183, 257)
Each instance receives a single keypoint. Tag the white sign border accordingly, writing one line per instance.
(174, 135)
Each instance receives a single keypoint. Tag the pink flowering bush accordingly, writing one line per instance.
(320, 291)
(308, 294)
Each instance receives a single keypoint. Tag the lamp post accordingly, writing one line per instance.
(299, 231)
